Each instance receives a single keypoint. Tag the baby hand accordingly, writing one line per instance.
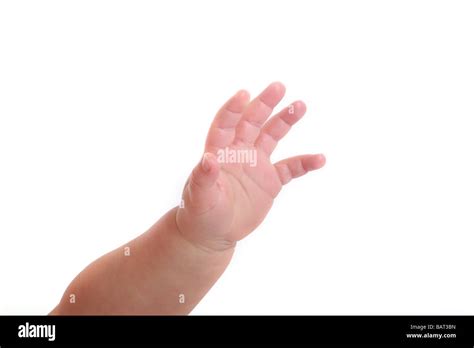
(232, 188)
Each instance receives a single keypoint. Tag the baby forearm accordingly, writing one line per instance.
(160, 272)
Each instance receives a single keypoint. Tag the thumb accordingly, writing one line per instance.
(205, 174)
(202, 189)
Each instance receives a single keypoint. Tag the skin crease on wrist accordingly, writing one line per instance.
(171, 267)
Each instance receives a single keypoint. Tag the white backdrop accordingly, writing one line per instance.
(105, 105)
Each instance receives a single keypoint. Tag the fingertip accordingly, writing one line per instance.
(242, 94)
(206, 172)
(278, 86)
(278, 89)
(210, 164)
(273, 94)
(322, 159)
(317, 161)
(238, 101)
(205, 163)
(297, 109)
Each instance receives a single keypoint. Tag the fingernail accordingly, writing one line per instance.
(205, 163)
(322, 159)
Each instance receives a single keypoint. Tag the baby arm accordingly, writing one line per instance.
(160, 272)
(169, 268)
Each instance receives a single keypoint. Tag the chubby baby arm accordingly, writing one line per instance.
(169, 268)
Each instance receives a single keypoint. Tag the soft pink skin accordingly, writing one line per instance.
(227, 202)
(188, 249)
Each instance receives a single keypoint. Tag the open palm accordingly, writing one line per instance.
(231, 190)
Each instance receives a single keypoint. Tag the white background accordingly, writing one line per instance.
(105, 105)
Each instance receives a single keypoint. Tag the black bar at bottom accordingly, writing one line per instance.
(192, 330)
